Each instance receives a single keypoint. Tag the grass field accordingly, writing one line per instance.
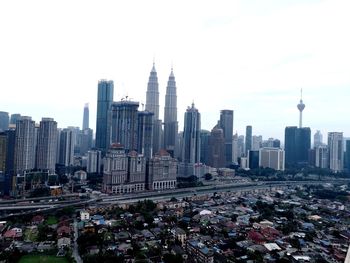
(42, 259)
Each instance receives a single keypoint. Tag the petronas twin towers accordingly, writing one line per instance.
(167, 139)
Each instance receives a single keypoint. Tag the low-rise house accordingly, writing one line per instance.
(199, 252)
(14, 233)
(179, 234)
(63, 242)
(37, 220)
(63, 231)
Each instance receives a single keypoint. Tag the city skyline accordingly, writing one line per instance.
(256, 57)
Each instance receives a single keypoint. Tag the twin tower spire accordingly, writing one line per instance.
(167, 139)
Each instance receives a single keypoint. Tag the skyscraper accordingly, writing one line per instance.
(257, 142)
(235, 148)
(226, 124)
(124, 120)
(47, 143)
(336, 152)
(248, 139)
(3, 151)
(347, 155)
(4, 121)
(66, 157)
(191, 136)
(217, 147)
(318, 139)
(25, 145)
(104, 102)
(94, 161)
(86, 117)
(170, 115)
(145, 134)
(297, 144)
(152, 105)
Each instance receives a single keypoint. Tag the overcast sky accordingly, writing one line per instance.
(251, 56)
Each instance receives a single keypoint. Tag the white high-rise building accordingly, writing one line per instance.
(336, 151)
(24, 145)
(170, 115)
(67, 140)
(257, 142)
(94, 161)
(322, 155)
(270, 157)
(47, 143)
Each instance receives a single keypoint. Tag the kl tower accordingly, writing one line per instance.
(301, 107)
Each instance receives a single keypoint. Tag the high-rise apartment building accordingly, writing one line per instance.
(25, 145)
(104, 102)
(4, 121)
(257, 142)
(271, 158)
(3, 151)
(205, 135)
(124, 124)
(170, 115)
(94, 161)
(66, 152)
(226, 124)
(321, 156)
(46, 146)
(145, 133)
(336, 151)
(248, 139)
(152, 105)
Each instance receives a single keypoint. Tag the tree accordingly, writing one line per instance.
(208, 176)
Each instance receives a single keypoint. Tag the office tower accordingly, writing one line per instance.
(336, 152)
(162, 171)
(104, 102)
(271, 158)
(77, 138)
(94, 161)
(124, 119)
(66, 147)
(312, 157)
(3, 151)
(217, 148)
(4, 121)
(170, 116)
(123, 173)
(86, 117)
(226, 124)
(24, 145)
(347, 155)
(47, 143)
(152, 105)
(145, 133)
(297, 145)
(14, 118)
(235, 148)
(58, 141)
(257, 142)
(253, 159)
(191, 136)
(205, 135)
(321, 156)
(301, 107)
(248, 139)
(318, 139)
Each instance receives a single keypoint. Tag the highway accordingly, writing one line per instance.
(46, 204)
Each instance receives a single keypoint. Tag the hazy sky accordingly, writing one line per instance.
(251, 56)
